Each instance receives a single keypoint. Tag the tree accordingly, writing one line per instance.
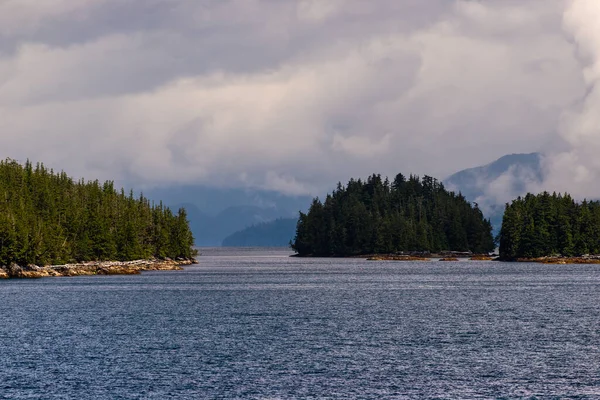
(48, 218)
(373, 216)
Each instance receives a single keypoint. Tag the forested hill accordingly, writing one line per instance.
(48, 218)
(277, 233)
(544, 225)
(374, 216)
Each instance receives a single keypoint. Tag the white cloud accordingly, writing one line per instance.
(287, 96)
(576, 169)
(361, 146)
(318, 10)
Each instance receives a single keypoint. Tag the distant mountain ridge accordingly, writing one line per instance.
(475, 182)
(494, 184)
(219, 213)
(215, 213)
(277, 233)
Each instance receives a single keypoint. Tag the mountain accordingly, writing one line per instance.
(277, 233)
(215, 213)
(211, 230)
(491, 186)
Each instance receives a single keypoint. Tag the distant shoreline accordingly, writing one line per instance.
(414, 256)
(457, 256)
(94, 268)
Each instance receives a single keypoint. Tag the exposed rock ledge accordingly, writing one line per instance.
(93, 268)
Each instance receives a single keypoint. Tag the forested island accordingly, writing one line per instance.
(378, 217)
(48, 218)
(546, 225)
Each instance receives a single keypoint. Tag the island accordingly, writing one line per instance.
(53, 225)
(552, 229)
(376, 217)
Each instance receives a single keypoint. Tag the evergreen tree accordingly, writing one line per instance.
(544, 224)
(374, 216)
(47, 218)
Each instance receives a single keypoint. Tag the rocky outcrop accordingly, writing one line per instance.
(93, 268)
(585, 259)
(481, 257)
(397, 258)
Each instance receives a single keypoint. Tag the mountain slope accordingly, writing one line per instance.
(214, 213)
(277, 233)
(494, 184)
(210, 230)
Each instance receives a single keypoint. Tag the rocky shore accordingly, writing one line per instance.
(93, 268)
(397, 258)
(424, 256)
(587, 259)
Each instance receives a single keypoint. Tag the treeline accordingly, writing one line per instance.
(277, 233)
(544, 224)
(374, 216)
(48, 218)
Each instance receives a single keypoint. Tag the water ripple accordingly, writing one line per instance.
(272, 327)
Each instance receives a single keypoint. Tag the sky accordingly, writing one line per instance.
(295, 95)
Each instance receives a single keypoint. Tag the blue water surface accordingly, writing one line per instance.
(257, 324)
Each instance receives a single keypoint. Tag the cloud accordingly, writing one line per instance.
(318, 10)
(575, 167)
(361, 146)
(513, 183)
(290, 96)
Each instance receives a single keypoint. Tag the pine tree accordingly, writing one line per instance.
(374, 216)
(48, 218)
(544, 224)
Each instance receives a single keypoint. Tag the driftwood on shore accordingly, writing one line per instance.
(93, 268)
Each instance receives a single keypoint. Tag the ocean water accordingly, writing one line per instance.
(256, 324)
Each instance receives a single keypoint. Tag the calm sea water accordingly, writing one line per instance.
(259, 325)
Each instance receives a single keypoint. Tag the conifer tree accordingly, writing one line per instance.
(374, 216)
(544, 224)
(48, 218)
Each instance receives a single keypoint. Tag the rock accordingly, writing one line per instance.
(397, 258)
(16, 271)
(92, 268)
(117, 270)
(481, 257)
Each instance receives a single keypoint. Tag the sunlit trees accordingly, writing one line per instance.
(47, 218)
(544, 224)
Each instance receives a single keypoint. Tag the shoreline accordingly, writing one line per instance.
(457, 256)
(595, 259)
(414, 256)
(433, 257)
(93, 268)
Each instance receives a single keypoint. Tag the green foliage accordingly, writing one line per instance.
(544, 224)
(47, 218)
(375, 216)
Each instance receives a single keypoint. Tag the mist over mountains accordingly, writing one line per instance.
(216, 213)
(228, 216)
(492, 185)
